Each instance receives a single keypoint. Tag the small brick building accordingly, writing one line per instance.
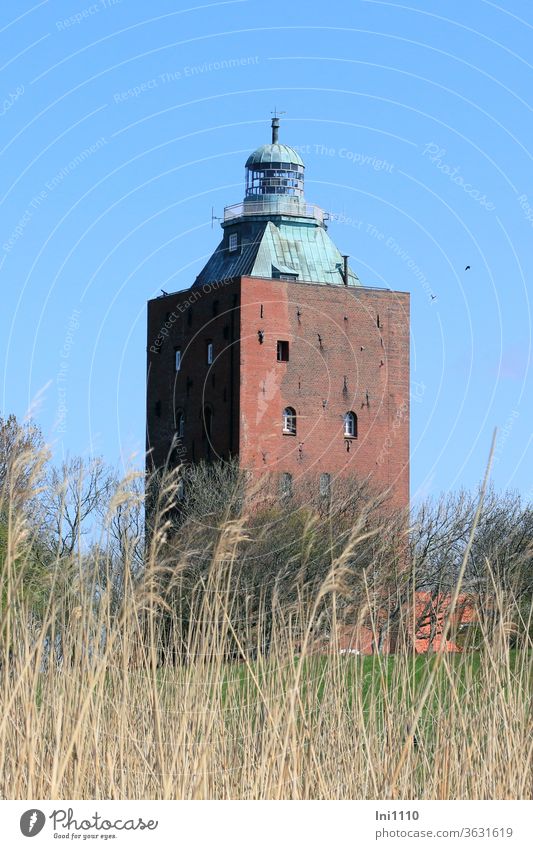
(277, 353)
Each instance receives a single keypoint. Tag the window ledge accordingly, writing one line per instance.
(288, 432)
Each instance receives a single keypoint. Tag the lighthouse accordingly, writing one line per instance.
(278, 354)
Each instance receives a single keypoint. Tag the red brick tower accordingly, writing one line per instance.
(277, 353)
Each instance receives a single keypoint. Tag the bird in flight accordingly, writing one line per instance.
(433, 297)
(467, 268)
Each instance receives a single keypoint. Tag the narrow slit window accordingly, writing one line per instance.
(208, 421)
(177, 356)
(209, 353)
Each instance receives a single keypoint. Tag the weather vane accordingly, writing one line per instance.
(275, 124)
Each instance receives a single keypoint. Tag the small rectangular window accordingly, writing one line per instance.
(283, 351)
(209, 353)
(233, 240)
(177, 354)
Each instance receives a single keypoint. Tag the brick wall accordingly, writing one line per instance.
(189, 320)
(348, 351)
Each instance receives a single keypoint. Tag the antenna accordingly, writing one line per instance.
(214, 217)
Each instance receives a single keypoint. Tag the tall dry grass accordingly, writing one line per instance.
(88, 709)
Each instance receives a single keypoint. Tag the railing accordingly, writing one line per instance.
(274, 206)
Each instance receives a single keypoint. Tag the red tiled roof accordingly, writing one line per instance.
(429, 615)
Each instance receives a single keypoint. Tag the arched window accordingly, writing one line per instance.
(180, 424)
(285, 485)
(325, 484)
(350, 425)
(289, 420)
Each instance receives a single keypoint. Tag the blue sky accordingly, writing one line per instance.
(123, 123)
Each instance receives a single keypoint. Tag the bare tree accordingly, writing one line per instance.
(76, 496)
(123, 559)
(500, 560)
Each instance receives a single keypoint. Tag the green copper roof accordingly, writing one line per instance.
(274, 153)
(299, 250)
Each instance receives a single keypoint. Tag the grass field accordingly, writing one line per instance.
(280, 727)
(89, 708)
